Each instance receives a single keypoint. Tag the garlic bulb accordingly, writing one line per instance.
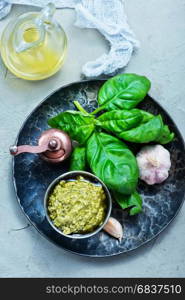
(114, 228)
(154, 163)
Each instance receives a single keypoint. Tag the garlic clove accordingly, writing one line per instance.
(114, 228)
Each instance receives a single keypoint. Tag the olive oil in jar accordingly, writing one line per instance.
(33, 47)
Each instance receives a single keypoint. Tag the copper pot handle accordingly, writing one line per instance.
(53, 145)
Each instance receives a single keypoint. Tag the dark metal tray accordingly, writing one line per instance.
(32, 177)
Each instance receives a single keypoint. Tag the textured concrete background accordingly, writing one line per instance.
(160, 26)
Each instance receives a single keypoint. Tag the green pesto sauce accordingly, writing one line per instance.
(77, 206)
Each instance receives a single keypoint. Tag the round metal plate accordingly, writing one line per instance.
(32, 176)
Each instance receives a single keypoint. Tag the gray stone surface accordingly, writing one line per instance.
(160, 26)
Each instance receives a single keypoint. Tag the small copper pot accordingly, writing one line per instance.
(54, 146)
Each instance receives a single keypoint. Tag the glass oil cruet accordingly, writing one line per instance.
(33, 46)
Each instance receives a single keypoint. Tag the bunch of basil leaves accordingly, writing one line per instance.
(100, 139)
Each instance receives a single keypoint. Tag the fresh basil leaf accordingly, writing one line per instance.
(146, 116)
(166, 136)
(123, 91)
(78, 159)
(117, 121)
(78, 125)
(112, 161)
(133, 201)
(144, 133)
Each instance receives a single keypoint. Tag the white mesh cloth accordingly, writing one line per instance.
(108, 17)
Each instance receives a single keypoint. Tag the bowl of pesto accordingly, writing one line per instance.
(77, 204)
